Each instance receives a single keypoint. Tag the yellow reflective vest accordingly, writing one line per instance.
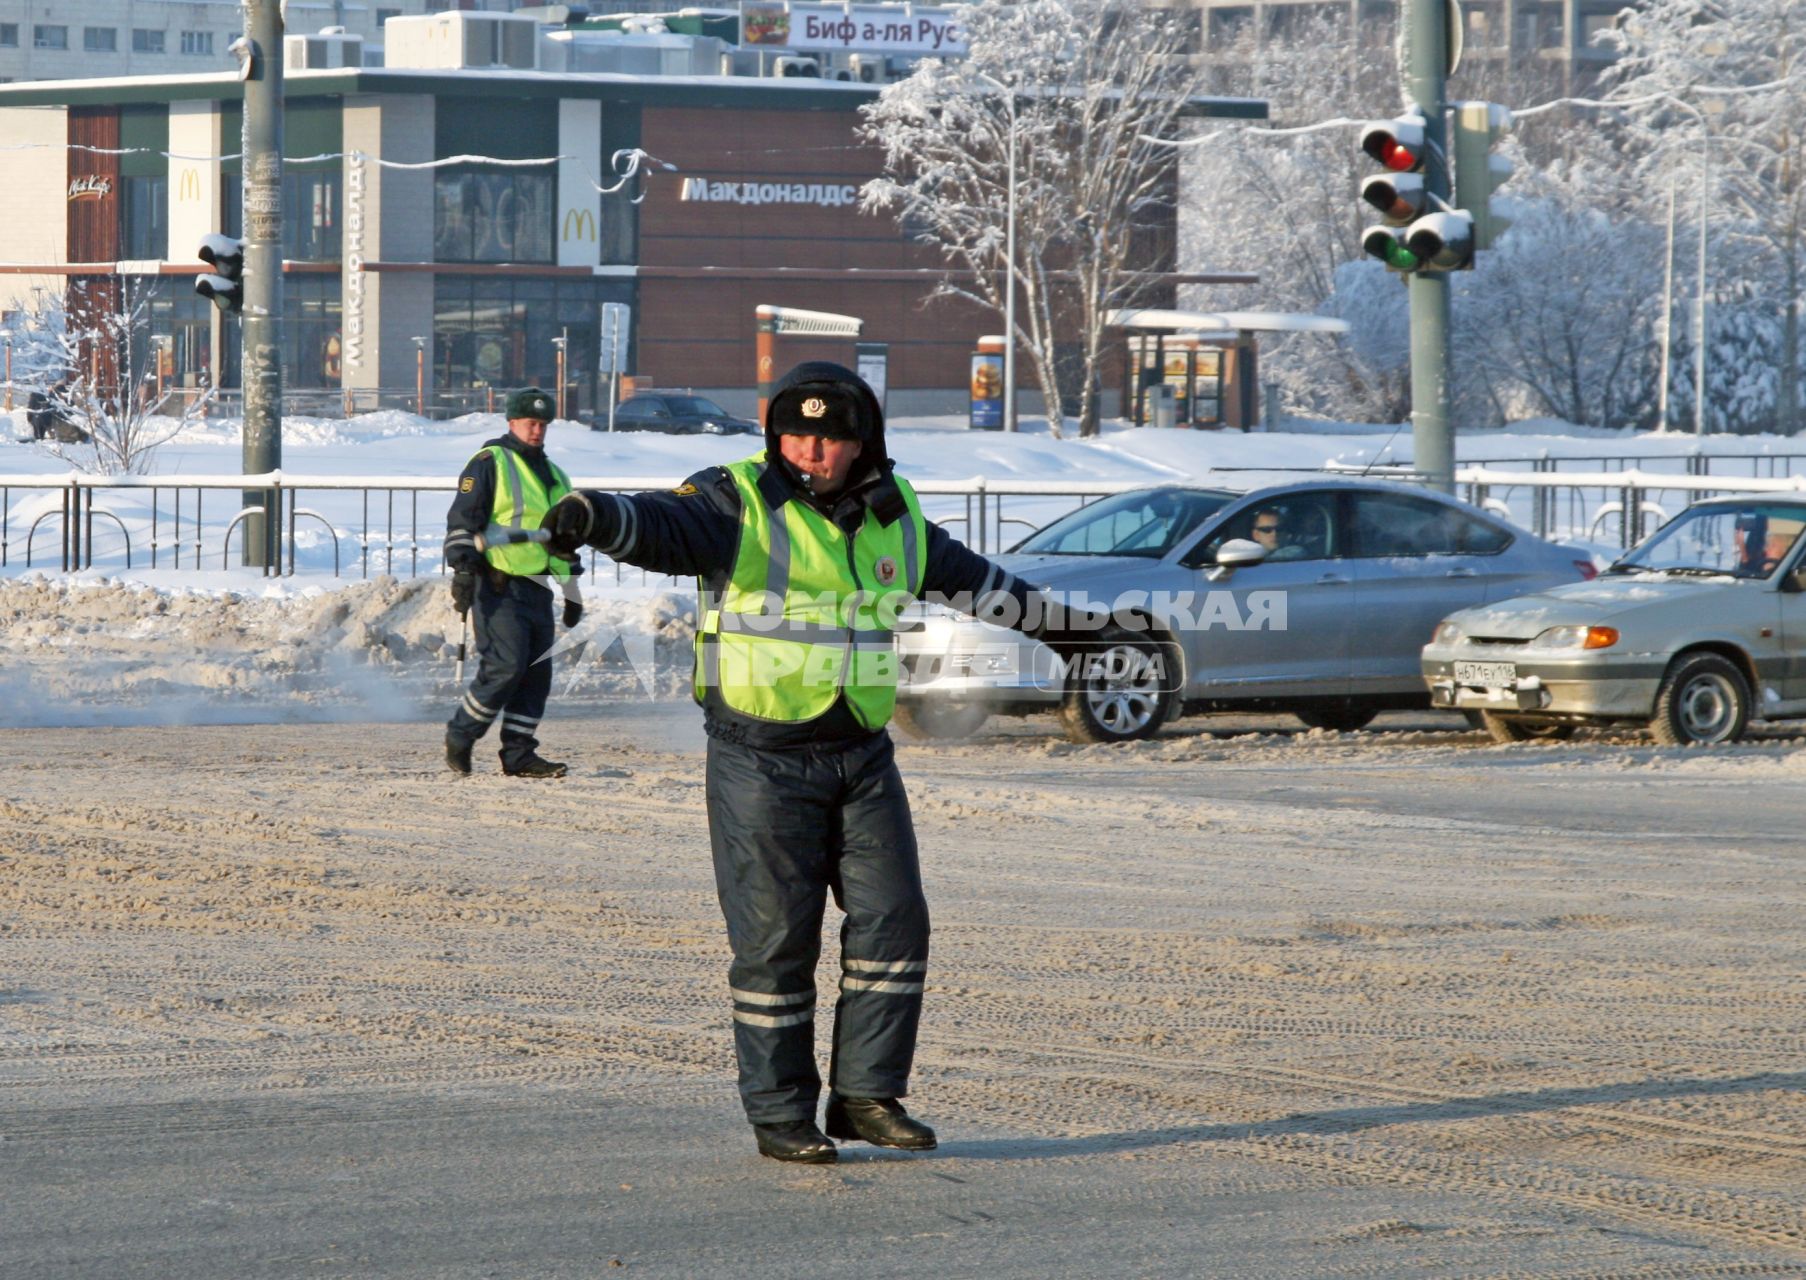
(521, 502)
(808, 613)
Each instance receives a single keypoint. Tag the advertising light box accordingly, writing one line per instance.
(894, 29)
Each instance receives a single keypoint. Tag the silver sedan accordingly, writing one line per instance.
(1693, 633)
(1312, 598)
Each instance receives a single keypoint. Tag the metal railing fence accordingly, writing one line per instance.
(373, 523)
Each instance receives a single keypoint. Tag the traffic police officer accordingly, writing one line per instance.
(509, 484)
(804, 554)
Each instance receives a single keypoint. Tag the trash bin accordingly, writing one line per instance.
(1163, 405)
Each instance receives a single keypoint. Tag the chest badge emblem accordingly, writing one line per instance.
(887, 570)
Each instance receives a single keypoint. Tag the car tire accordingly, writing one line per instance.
(1343, 718)
(1475, 719)
(1704, 699)
(1511, 729)
(1125, 695)
(939, 720)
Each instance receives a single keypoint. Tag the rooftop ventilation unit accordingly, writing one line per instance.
(330, 49)
(462, 40)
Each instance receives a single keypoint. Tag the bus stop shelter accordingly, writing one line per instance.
(1210, 358)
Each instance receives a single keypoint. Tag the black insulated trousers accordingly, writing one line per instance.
(788, 827)
(514, 631)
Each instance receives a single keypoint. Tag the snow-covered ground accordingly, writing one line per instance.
(286, 1000)
(204, 641)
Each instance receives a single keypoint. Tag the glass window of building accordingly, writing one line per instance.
(498, 332)
(310, 224)
(197, 42)
(48, 37)
(311, 340)
(100, 39)
(145, 211)
(383, 15)
(9, 35)
(146, 41)
(486, 215)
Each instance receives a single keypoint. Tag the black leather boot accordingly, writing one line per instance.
(797, 1141)
(879, 1121)
(534, 767)
(457, 755)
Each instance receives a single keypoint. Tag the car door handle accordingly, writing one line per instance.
(1461, 573)
(1331, 580)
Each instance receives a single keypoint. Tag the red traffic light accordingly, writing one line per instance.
(1397, 144)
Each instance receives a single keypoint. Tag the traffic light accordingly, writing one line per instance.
(224, 286)
(1442, 241)
(1479, 173)
(1421, 232)
(1397, 144)
(1398, 194)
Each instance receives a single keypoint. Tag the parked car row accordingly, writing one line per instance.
(1317, 599)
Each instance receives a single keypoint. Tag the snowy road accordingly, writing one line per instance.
(288, 1000)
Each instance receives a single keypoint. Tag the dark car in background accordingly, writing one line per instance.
(676, 413)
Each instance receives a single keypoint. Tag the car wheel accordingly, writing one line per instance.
(1345, 718)
(1475, 719)
(1121, 691)
(1512, 729)
(1704, 698)
(938, 720)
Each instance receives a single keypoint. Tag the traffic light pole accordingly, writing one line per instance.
(261, 359)
(1432, 431)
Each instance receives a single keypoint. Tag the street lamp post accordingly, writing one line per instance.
(560, 343)
(8, 333)
(420, 376)
(1009, 254)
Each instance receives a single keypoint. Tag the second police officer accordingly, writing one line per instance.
(803, 553)
(509, 485)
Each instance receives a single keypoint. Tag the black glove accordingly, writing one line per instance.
(573, 613)
(569, 522)
(464, 590)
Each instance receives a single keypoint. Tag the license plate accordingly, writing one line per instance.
(1488, 675)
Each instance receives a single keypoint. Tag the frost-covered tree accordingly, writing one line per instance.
(1560, 318)
(97, 352)
(1716, 93)
(1084, 88)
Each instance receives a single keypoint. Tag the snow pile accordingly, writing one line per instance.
(105, 651)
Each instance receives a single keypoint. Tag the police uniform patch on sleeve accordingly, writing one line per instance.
(686, 490)
(467, 484)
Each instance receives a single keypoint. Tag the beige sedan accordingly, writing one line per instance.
(1693, 633)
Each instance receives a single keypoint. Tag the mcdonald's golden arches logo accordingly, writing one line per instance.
(190, 186)
(579, 224)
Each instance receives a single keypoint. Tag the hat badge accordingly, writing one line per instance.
(815, 407)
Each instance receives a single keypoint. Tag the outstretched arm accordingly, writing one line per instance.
(692, 529)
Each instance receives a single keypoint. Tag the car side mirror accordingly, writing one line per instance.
(1233, 554)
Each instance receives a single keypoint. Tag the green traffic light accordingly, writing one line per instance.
(1381, 243)
(1400, 258)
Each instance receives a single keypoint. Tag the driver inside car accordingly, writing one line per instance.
(1269, 530)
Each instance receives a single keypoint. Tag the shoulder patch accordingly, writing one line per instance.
(686, 490)
(467, 484)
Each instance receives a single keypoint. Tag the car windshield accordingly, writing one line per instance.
(1744, 540)
(1147, 522)
(695, 406)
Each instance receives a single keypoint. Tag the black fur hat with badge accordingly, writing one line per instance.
(821, 398)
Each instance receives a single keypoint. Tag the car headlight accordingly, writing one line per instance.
(715, 428)
(1576, 637)
(1447, 633)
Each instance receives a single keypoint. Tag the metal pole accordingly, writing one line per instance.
(1699, 326)
(9, 373)
(1432, 431)
(262, 358)
(1009, 301)
(1667, 314)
